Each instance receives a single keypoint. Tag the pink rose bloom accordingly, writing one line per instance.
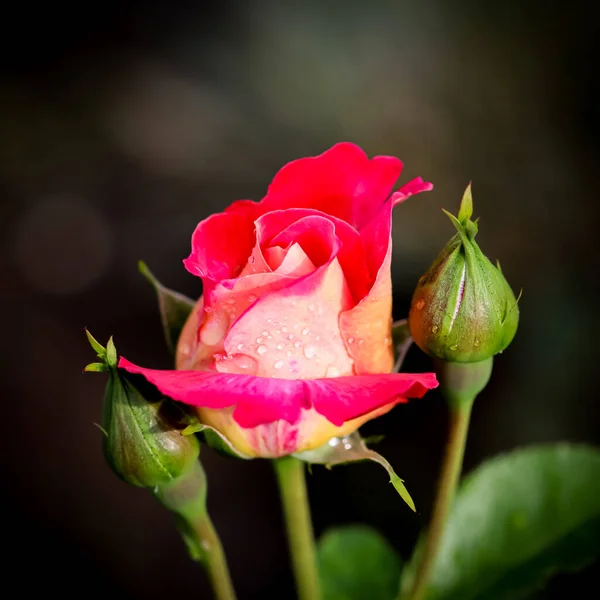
(290, 344)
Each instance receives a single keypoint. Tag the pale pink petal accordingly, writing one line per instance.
(293, 332)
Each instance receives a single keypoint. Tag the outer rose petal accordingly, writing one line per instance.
(263, 401)
(221, 246)
(414, 186)
(367, 327)
(342, 182)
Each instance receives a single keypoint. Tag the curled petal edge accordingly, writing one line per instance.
(260, 400)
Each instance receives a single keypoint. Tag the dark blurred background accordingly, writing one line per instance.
(123, 124)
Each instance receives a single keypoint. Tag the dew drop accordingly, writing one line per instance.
(278, 364)
(361, 342)
(310, 351)
(251, 298)
(262, 350)
(420, 304)
(434, 329)
(259, 340)
(288, 353)
(251, 259)
(332, 372)
(238, 363)
(298, 344)
(388, 341)
(240, 346)
(264, 332)
(454, 347)
(351, 340)
(279, 346)
(317, 338)
(477, 342)
(311, 307)
(284, 329)
(208, 309)
(291, 336)
(305, 331)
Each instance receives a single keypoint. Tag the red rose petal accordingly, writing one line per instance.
(260, 400)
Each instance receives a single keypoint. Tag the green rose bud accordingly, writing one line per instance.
(463, 309)
(143, 443)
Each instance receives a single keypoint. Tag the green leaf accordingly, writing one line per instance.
(174, 307)
(97, 367)
(465, 212)
(352, 448)
(356, 562)
(518, 520)
(98, 348)
(402, 341)
(111, 353)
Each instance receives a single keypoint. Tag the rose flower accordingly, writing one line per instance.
(290, 343)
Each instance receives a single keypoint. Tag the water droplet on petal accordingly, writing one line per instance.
(361, 342)
(351, 340)
(278, 364)
(251, 298)
(317, 338)
(477, 342)
(298, 344)
(454, 347)
(240, 346)
(305, 331)
(279, 346)
(251, 259)
(310, 351)
(288, 353)
(332, 372)
(259, 340)
(264, 332)
(238, 363)
(208, 309)
(311, 306)
(388, 341)
(291, 336)
(262, 350)
(284, 329)
(420, 304)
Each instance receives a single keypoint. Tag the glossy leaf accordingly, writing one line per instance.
(517, 520)
(357, 563)
(174, 307)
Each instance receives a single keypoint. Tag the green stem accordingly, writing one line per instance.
(459, 426)
(214, 559)
(292, 488)
(185, 496)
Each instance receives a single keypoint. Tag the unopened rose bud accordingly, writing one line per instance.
(143, 443)
(463, 309)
